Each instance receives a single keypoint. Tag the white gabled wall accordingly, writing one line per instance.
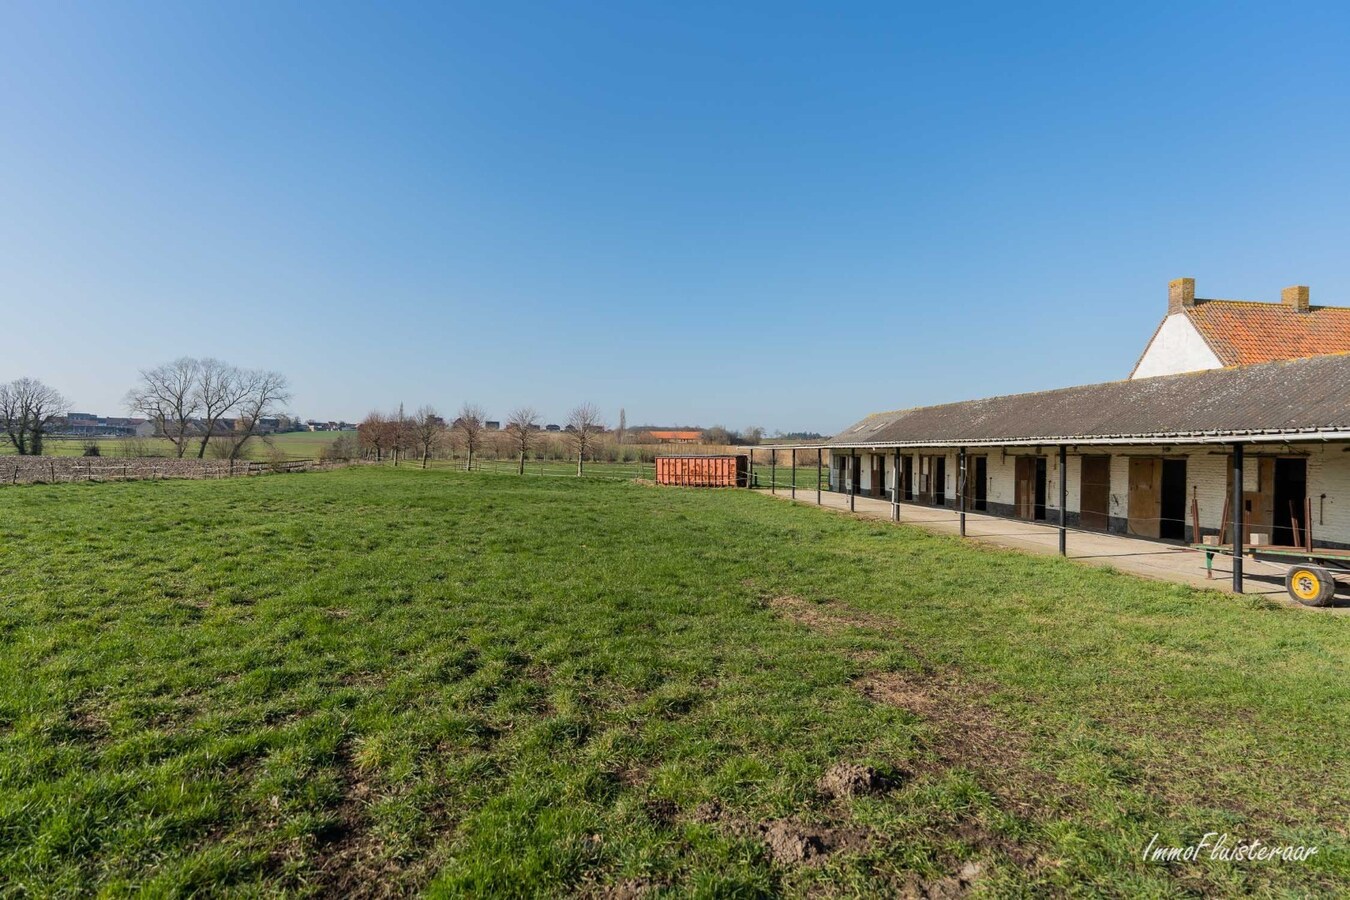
(1177, 347)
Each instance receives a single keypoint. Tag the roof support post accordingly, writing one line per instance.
(773, 471)
(895, 490)
(1239, 519)
(820, 459)
(961, 487)
(1063, 500)
(794, 473)
(855, 474)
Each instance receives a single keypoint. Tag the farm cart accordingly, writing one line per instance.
(1311, 575)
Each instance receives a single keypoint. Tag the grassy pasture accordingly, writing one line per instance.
(377, 680)
(292, 445)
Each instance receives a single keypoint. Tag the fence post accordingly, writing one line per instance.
(820, 463)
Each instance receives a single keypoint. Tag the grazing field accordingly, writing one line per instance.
(291, 445)
(375, 681)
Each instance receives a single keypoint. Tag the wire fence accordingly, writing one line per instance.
(558, 468)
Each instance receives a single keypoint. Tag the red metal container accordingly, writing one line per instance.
(703, 471)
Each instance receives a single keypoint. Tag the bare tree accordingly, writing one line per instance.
(261, 394)
(428, 430)
(521, 426)
(167, 395)
(375, 434)
(623, 426)
(27, 409)
(220, 388)
(469, 426)
(583, 424)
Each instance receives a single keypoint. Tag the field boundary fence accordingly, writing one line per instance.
(69, 470)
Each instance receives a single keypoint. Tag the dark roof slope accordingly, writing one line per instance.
(1293, 396)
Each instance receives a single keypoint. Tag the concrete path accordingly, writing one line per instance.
(1151, 559)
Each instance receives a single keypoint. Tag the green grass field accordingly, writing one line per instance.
(373, 681)
(292, 445)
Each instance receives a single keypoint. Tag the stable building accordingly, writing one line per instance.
(1151, 458)
(1223, 386)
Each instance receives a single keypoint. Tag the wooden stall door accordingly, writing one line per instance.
(1094, 505)
(1259, 505)
(1024, 487)
(878, 475)
(1145, 501)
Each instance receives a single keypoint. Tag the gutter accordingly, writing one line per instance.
(1190, 438)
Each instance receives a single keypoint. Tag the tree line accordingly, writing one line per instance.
(194, 403)
(426, 434)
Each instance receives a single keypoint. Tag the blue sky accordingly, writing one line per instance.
(775, 214)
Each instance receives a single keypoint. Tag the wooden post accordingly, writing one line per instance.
(773, 471)
(794, 473)
(1239, 519)
(1307, 524)
(895, 493)
(1195, 519)
(854, 470)
(961, 487)
(820, 465)
(1064, 500)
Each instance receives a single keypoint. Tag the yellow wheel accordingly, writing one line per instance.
(1310, 585)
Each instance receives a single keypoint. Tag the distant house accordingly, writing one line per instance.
(1198, 334)
(676, 437)
(553, 428)
(90, 425)
(492, 425)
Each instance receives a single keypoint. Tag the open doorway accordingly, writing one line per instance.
(878, 484)
(939, 481)
(1291, 494)
(907, 466)
(1172, 503)
(977, 483)
(1040, 488)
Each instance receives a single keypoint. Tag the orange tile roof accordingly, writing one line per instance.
(676, 435)
(1242, 332)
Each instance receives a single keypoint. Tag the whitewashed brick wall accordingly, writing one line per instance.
(1206, 480)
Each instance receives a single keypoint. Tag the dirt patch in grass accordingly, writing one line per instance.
(793, 843)
(352, 859)
(631, 889)
(852, 780)
(965, 733)
(827, 617)
(787, 841)
(958, 884)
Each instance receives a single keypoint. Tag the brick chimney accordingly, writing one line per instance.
(1180, 295)
(1296, 297)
